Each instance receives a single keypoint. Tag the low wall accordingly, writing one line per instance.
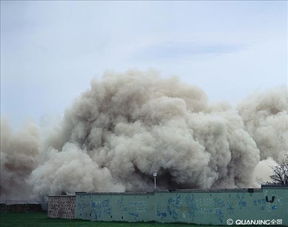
(268, 205)
(216, 208)
(115, 206)
(61, 207)
(212, 207)
(20, 207)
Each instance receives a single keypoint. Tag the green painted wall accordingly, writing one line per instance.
(115, 207)
(201, 207)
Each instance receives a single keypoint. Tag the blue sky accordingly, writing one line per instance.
(50, 51)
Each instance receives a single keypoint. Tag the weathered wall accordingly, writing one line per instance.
(115, 207)
(20, 207)
(61, 207)
(218, 207)
(201, 207)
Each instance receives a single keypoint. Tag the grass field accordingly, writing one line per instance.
(40, 219)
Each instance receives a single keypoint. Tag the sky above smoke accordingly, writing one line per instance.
(53, 49)
(129, 125)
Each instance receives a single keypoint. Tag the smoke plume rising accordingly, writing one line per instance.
(127, 126)
(18, 157)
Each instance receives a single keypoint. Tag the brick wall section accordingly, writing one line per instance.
(61, 207)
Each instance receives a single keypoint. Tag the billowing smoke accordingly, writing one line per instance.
(128, 126)
(19, 156)
(264, 170)
(266, 119)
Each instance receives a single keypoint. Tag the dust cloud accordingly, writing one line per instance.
(128, 126)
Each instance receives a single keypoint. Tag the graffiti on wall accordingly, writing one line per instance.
(100, 209)
(189, 207)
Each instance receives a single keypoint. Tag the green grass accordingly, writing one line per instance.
(40, 219)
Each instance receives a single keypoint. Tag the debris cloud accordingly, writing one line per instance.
(128, 126)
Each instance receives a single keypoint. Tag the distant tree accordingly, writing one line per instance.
(280, 173)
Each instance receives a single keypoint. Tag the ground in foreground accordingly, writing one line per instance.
(40, 219)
